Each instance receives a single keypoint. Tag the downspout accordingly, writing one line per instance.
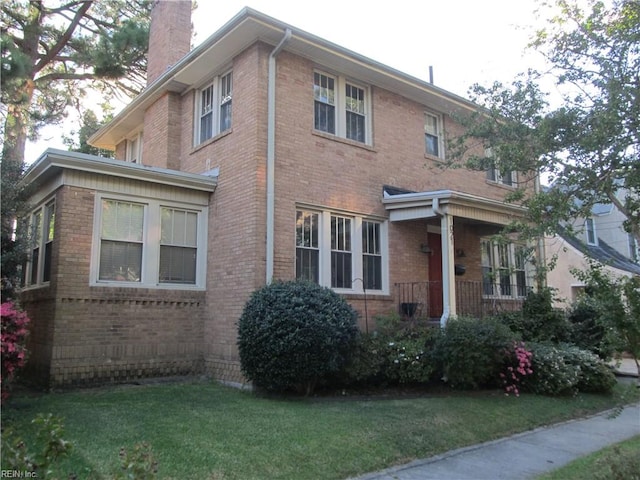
(271, 153)
(445, 232)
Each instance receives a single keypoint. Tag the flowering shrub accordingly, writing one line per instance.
(595, 375)
(517, 366)
(552, 374)
(408, 361)
(14, 334)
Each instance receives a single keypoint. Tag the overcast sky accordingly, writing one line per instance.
(465, 41)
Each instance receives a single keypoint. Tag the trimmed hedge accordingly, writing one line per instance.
(292, 335)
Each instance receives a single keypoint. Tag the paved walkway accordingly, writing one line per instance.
(528, 454)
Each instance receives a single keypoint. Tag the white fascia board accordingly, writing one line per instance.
(53, 159)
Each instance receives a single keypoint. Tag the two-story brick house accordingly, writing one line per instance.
(264, 153)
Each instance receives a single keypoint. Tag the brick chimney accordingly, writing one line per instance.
(169, 35)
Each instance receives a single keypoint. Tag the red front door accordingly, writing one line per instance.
(435, 275)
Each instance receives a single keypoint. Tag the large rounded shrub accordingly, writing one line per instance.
(471, 353)
(293, 334)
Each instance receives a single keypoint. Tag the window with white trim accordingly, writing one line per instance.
(344, 252)
(433, 135)
(214, 108)
(41, 231)
(149, 243)
(341, 107)
(504, 269)
(590, 231)
(134, 148)
(495, 174)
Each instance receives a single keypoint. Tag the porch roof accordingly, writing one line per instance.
(405, 205)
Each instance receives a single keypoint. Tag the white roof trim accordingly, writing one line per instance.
(53, 160)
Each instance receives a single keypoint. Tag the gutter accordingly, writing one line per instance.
(271, 155)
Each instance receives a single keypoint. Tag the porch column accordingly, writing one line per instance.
(448, 269)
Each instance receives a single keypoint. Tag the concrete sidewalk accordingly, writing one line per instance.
(522, 456)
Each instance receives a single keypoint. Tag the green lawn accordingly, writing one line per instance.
(618, 462)
(203, 430)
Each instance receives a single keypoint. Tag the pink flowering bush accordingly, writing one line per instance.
(517, 366)
(14, 335)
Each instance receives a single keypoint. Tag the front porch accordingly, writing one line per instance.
(423, 300)
(463, 270)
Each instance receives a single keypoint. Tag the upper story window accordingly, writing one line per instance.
(590, 231)
(214, 108)
(504, 269)
(41, 231)
(348, 253)
(433, 135)
(146, 243)
(341, 107)
(495, 174)
(134, 148)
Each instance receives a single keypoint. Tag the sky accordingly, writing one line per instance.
(465, 41)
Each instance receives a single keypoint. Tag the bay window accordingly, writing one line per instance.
(41, 231)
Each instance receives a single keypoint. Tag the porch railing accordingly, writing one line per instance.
(423, 300)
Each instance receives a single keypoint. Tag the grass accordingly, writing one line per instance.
(617, 462)
(207, 431)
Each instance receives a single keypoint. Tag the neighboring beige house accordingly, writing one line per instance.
(264, 153)
(600, 238)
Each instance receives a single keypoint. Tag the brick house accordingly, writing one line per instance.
(264, 153)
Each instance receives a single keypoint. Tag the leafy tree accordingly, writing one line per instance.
(588, 147)
(52, 53)
(89, 124)
(617, 306)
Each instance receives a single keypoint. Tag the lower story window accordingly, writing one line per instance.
(341, 251)
(149, 243)
(504, 269)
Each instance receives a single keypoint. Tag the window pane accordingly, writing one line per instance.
(341, 252)
(307, 264)
(46, 273)
(341, 270)
(307, 253)
(324, 118)
(120, 261)
(122, 220)
(206, 127)
(431, 145)
(324, 105)
(355, 127)
(177, 265)
(371, 256)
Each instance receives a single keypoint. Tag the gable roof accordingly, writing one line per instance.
(603, 253)
(250, 26)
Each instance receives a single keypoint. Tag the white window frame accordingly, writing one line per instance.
(134, 148)
(494, 175)
(151, 241)
(324, 249)
(40, 238)
(218, 100)
(590, 231)
(439, 134)
(500, 267)
(341, 108)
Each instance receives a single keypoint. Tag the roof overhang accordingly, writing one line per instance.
(432, 204)
(52, 162)
(250, 26)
